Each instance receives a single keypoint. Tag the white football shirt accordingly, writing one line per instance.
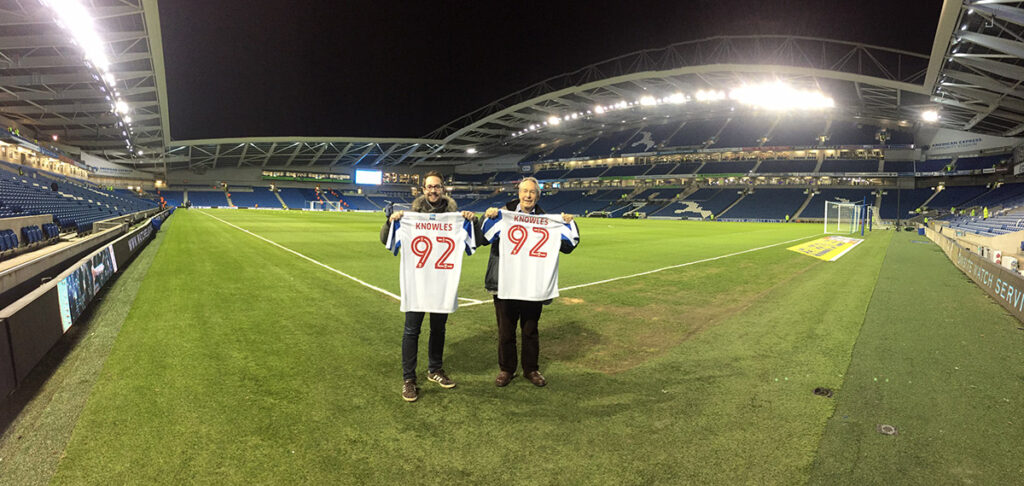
(431, 245)
(528, 261)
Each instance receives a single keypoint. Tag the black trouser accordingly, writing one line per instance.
(411, 340)
(511, 314)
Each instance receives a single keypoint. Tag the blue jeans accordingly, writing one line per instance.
(411, 339)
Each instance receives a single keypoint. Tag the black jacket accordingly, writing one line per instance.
(422, 205)
(491, 278)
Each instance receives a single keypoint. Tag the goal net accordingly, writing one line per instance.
(324, 206)
(842, 217)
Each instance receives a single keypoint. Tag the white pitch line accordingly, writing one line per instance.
(300, 255)
(672, 266)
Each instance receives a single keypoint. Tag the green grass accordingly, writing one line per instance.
(943, 363)
(240, 362)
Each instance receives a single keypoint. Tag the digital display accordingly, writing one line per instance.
(369, 177)
(75, 291)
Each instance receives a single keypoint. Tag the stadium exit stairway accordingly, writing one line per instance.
(807, 201)
(734, 203)
(278, 196)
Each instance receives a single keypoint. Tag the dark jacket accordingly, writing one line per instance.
(491, 278)
(422, 205)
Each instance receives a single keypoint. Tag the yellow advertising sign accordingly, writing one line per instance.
(829, 248)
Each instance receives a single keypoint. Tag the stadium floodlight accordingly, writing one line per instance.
(648, 101)
(709, 95)
(122, 107)
(779, 96)
(598, 109)
(471, 150)
(73, 17)
(930, 116)
(676, 98)
(127, 119)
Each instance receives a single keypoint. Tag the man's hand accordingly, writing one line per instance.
(469, 215)
(491, 213)
(567, 218)
(395, 216)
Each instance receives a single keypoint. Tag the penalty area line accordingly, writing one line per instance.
(304, 257)
(662, 269)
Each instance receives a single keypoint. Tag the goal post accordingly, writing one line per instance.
(324, 206)
(843, 218)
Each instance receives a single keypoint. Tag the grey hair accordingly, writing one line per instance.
(530, 179)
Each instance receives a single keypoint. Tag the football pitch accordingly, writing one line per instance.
(263, 347)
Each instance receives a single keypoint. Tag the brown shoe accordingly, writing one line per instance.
(410, 392)
(503, 378)
(536, 378)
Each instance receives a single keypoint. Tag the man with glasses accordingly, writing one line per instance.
(433, 200)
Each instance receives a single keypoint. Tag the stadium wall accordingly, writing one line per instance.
(1002, 284)
(33, 324)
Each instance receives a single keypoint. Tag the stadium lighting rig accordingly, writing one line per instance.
(773, 96)
(74, 18)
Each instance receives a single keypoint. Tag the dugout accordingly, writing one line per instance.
(35, 322)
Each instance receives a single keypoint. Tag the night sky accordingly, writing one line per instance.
(251, 68)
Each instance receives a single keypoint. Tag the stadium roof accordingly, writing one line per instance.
(47, 86)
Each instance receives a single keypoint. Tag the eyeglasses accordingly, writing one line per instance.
(433, 187)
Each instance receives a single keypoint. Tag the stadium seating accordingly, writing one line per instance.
(75, 205)
(661, 169)
(796, 132)
(501, 177)
(837, 165)
(773, 204)
(954, 196)
(934, 165)
(729, 167)
(695, 133)
(1001, 195)
(649, 139)
(626, 170)
(899, 204)
(787, 166)
(259, 197)
(686, 167)
(743, 132)
(550, 174)
(472, 178)
(208, 198)
(979, 163)
(8, 240)
(584, 172)
(900, 166)
(608, 144)
(850, 133)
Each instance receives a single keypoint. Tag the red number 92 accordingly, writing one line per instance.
(421, 246)
(517, 234)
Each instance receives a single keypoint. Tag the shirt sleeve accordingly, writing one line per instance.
(394, 244)
(570, 236)
(470, 236)
(492, 227)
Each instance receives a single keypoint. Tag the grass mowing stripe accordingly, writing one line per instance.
(235, 368)
(941, 361)
(51, 399)
(682, 265)
(300, 255)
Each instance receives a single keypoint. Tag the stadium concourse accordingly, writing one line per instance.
(745, 305)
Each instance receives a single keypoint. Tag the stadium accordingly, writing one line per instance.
(798, 256)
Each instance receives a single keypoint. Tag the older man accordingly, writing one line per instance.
(433, 200)
(513, 313)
